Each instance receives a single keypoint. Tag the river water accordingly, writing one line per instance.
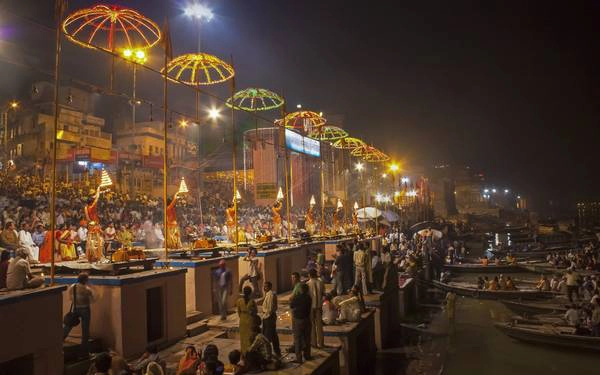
(475, 346)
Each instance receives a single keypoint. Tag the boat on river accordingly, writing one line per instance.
(541, 253)
(532, 308)
(471, 290)
(480, 268)
(561, 336)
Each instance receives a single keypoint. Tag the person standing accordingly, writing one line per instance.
(301, 306)
(360, 266)
(296, 284)
(316, 290)
(247, 313)
(253, 274)
(82, 295)
(450, 305)
(572, 285)
(269, 317)
(338, 269)
(223, 287)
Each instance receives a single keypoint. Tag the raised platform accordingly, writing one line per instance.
(112, 268)
(199, 288)
(278, 264)
(352, 338)
(32, 331)
(134, 310)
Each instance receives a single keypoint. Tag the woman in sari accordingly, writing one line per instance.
(247, 313)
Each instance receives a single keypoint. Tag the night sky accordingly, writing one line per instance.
(508, 88)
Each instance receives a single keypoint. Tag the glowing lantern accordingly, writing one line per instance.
(105, 180)
(182, 187)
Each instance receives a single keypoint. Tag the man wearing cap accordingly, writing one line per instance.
(223, 287)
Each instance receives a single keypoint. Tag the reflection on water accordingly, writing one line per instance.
(476, 347)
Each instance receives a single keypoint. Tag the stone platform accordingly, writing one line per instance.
(134, 310)
(31, 340)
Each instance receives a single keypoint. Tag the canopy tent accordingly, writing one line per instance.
(368, 213)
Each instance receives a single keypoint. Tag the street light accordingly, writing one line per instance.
(136, 56)
(384, 175)
(405, 180)
(394, 167)
(183, 123)
(198, 11)
(214, 113)
(359, 166)
(13, 104)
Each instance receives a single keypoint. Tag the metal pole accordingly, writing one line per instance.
(234, 156)
(57, 64)
(165, 153)
(134, 100)
(322, 197)
(287, 191)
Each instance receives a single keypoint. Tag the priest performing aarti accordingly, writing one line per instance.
(276, 210)
(173, 235)
(309, 218)
(95, 237)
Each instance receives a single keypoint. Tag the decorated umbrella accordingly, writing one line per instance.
(376, 156)
(199, 69)
(328, 133)
(348, 143)
(307, 121)
(255, 99)
(111, 28)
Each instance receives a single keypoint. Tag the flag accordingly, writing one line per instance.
(166, 40)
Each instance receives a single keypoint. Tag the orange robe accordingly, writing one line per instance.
(173, 238)
(91, 210)
(46, 249)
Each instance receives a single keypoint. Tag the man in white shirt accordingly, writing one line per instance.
(82, 236)
(26, 241)
(269, 317)
(316, 289)
(19, 274)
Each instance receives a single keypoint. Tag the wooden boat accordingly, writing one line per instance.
(470, 290)
(480, 268)
(531, 308)
(548, 269)
(561, 336)
(533, 253)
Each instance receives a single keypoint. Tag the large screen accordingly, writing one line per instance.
(299, 143)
